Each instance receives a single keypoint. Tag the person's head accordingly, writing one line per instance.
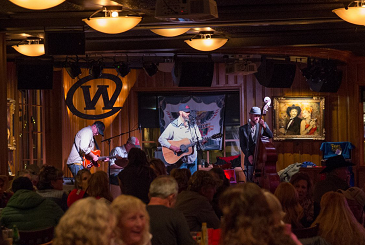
(98, 186)
(132, 220)
(137, 157)
(3, 183)
(307, 111)
(184, 111)
(82, 178)
(182, 176)
(132, 142)
(293, 111)
(288, 197)
(338, 166)
(158, 166)
(22, 183)
(87, 221)
(50, 178)
(98, 128)
(303, 185)
(255, 114)
(203, 183)
(356, 200)
(275, 207)
(336, 222)
(164, 187)
(220, 176)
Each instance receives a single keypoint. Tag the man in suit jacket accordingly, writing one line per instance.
(293, 126)
(248, 134)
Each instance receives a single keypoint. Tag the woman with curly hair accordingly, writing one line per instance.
(336, 222)
(133, 221)
(98, 186)
(248, 219)
(303, 185)
(289, 200)
(88, 221)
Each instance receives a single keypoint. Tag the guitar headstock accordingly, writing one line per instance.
(216, 136)
(266, 106)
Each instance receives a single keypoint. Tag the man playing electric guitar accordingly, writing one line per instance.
(180, 129)
(82, 147)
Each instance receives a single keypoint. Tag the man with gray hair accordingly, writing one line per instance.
(168, 225)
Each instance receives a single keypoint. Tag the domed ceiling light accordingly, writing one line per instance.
(206, 42)
(112, 23)
(170, 32)
(354, 13)
(37, 4)
(30, 47)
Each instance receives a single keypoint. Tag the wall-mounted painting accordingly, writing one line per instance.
(299, 118)
(10, 124)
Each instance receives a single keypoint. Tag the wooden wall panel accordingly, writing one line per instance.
(3, 107)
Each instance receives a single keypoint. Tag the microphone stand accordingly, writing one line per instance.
(198, 145)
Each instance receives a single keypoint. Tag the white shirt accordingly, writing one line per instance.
(83, 145)
(177, 131)
(117, 151)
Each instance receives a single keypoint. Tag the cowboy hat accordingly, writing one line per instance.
(291, 108)
(335, 162)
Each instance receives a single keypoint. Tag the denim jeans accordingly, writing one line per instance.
(192, 167)
(74, 168)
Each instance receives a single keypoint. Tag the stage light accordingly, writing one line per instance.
(150, 68)
(73, 69)
(96, 69)
(122, 68)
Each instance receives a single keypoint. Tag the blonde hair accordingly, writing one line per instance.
(125, 204)
(98, 186)
(288, 197)
(336, 222)
(88, 221)
(275, 207)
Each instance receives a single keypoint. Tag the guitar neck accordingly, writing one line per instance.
(103, 158)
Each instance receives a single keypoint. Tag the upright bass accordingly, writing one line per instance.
(265, 157)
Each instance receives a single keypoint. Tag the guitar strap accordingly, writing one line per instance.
(96, 144)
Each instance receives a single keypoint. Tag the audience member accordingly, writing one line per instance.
(50, 185)
(81, 183)
(31, 174)
(288, 197)
(194, 203)
(336, 222)
(133, 222)
(248, 219)
(158, 166)
(28, 210)
(168, 225)
(5, 195)
(303, 185)
(337, 177)
(88, 221)
(98, 186)
(356, 200)
(182, 177)
(136, 178)
(223, 184)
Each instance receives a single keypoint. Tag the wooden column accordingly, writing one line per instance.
(3, 107)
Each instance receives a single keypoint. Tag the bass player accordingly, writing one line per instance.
(179, 129)
(83, 145)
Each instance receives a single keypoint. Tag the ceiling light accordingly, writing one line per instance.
(205, 41)
(170, 32)
(150, 68)
(37, 4)
(112, 23)
(122, 68)
(353, 13)
(31, 47)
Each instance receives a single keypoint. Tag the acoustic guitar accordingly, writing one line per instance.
(88, 162)
(186, 148)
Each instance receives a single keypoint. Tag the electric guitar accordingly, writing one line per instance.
(89, 162)
(186, 147)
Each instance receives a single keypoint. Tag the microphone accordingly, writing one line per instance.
(140, 129)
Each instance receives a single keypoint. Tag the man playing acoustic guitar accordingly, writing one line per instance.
(181, 129)
(82, 147)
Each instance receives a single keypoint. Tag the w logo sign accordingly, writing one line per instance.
(91, 101)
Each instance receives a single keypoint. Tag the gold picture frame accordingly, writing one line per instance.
(10, 124)
(299, 118)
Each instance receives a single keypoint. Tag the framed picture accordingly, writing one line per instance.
(299, 118)
(10, 124)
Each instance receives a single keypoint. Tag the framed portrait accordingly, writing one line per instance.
(299, 118)
(10, 124)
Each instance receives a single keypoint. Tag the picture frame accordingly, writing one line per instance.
(10, 124)
(299, 118)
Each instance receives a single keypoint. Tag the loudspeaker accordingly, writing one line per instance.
(276, 74)
(193, 74)
(64, 43)
(330, 83)
(34, 74)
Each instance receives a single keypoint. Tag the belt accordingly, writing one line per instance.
(76, 163)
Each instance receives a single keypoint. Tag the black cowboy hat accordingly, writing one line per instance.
(336, 162)
(293, 107)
